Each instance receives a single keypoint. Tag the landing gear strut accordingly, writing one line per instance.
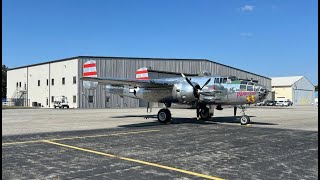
(244, 118)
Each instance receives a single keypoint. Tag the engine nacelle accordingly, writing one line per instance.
(184, 92)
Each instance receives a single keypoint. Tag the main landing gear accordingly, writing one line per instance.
(203, 113)
(164, 115)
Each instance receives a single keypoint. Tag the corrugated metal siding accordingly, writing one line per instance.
(303, 92)
(126, 68)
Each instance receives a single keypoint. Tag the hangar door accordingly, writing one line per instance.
(303, 97)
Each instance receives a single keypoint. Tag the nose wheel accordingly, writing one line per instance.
(244, 120)
(164, 116)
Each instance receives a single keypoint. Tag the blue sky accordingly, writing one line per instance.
(271, 38)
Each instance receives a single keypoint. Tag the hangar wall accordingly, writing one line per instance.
(303, 92)
(34, 82)
(126, 68)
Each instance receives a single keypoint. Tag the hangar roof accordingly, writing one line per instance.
(285, 81)
(79, 57)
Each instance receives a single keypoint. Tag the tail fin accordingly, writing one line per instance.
(142, 74)
(90, 70)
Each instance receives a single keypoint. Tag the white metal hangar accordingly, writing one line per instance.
(39, 84)
(297, 89)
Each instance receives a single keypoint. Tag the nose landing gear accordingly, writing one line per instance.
(244, 120)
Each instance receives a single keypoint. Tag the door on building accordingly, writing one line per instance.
(107, 102)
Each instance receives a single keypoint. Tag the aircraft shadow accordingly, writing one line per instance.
(179, 120)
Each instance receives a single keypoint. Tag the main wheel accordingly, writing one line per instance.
(164, 116)
(244, 120)
(204, 114)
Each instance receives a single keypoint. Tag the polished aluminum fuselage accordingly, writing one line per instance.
(181, 92)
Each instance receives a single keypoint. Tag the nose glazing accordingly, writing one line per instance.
(263, 92)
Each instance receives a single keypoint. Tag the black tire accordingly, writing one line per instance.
(68, 107)
(244, 120)
(55, 107)
(164, 116)
(204, 114)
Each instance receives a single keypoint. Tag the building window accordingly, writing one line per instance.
(74, 99)
(47, 101)
(52, 99)
(38, 82)
(47, 82)
(25, 86)
(63, 81)
(52, 82)
(74, 79)
(19, 84)
(90, 99)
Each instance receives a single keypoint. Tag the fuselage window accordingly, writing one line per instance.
(216, 80)
(249, 88)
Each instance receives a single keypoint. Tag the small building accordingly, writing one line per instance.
(297, 89)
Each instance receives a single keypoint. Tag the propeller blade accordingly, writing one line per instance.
(235, 111)
(206, 83)
(188, 80)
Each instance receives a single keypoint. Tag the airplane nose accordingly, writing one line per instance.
(263, 93)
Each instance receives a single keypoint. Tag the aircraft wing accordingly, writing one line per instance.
(152, 83)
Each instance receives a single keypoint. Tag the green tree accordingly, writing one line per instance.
(4, 81)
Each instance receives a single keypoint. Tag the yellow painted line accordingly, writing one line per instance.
(136, 161)
(104, 135)
(81, 137)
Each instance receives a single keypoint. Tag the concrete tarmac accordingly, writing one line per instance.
(281, 143)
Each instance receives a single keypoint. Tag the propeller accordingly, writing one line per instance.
(234, 110)
(197, 91)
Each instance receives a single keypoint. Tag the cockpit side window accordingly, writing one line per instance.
(249, 88)
(243, 87)
(216, 80)
(224, 80)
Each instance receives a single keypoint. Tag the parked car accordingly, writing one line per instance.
(271, 103)
(263, 103)
(282, 103)
(289, 102)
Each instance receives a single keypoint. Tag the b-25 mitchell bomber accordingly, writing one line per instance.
(206, 92)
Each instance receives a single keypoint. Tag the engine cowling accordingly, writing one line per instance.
(185, 93)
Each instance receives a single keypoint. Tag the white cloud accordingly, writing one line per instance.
(246, 34)
(247, 8)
